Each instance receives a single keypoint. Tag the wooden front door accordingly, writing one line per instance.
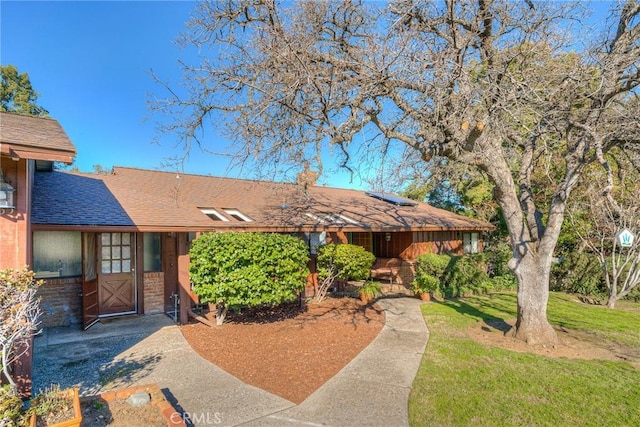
(116, 280)
(90, 311)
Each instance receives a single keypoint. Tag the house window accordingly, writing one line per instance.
(152, 251)
(116, 254)
(57, 253)
(470, 241)
(214, 214)
(236, 214)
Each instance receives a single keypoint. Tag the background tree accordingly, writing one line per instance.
(247, 269)
(493, 85)
(17, 94)
(596, 220)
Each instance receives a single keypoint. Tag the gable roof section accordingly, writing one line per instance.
(158, 201)
(34, 138)
(75, 200)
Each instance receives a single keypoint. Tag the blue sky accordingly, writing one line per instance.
(90, 63)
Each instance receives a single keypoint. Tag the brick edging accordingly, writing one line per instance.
(157, 399)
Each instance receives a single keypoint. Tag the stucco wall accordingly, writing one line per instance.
(15, 225)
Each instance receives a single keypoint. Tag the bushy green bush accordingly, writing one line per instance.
(430, 272)
(248, 269)
(578, 272)
(465, 276)
(457, 275)
(350, 262)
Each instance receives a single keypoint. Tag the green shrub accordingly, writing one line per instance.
(430, 271)
(432, 264)
(248, 269)
(578, 272)
(351, 262)
(465, 276)
(505, 282)
(425, 283)
(10, 407)
(370, 289)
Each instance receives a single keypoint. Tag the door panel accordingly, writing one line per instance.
(116, 281)
(117, 294)
(89, 280)
(170, 268)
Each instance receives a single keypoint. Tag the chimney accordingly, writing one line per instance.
(307, 177)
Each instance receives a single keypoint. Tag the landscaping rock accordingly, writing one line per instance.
(139, 399)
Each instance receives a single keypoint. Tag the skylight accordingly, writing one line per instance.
(331, 218)
(392, 198)
(236, 214)
(214, 214)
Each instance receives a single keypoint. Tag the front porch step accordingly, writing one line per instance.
(396, 290)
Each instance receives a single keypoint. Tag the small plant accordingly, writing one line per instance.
(369, 290)
(425, 284)
(10, 407)
(53, 405)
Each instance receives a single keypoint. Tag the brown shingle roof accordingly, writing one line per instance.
(34, 138)
(156, 200)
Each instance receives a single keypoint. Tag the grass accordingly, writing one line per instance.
(462, 383)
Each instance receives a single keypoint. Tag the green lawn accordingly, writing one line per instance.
(464, 383)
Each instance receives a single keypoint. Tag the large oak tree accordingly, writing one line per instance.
(500, 86)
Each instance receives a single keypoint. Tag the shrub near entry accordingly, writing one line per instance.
(247, 269)
(351, 262)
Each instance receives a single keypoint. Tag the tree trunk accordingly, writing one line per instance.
(532, 325)
(221, 314)
(612, 300)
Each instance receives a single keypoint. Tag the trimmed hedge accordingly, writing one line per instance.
(248, 269)
(352, 262)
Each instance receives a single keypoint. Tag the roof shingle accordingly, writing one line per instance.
(34, 138)
(153, 200)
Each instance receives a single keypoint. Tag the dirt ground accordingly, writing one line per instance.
(288, 351)
(118, 413)
(573, 344)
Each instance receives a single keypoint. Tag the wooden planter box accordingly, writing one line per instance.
(71, 393)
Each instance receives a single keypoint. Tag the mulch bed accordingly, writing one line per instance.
(288, 351)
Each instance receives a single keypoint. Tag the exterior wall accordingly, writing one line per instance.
(15, 241)
(60, 302)
(398, 243)
(153, 293)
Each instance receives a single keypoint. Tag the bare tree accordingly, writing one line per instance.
(597, 220)
(19, 316)
(496, 85)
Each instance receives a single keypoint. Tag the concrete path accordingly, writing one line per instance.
(372, 390)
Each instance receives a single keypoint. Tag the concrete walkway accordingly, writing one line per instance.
(372, 390)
